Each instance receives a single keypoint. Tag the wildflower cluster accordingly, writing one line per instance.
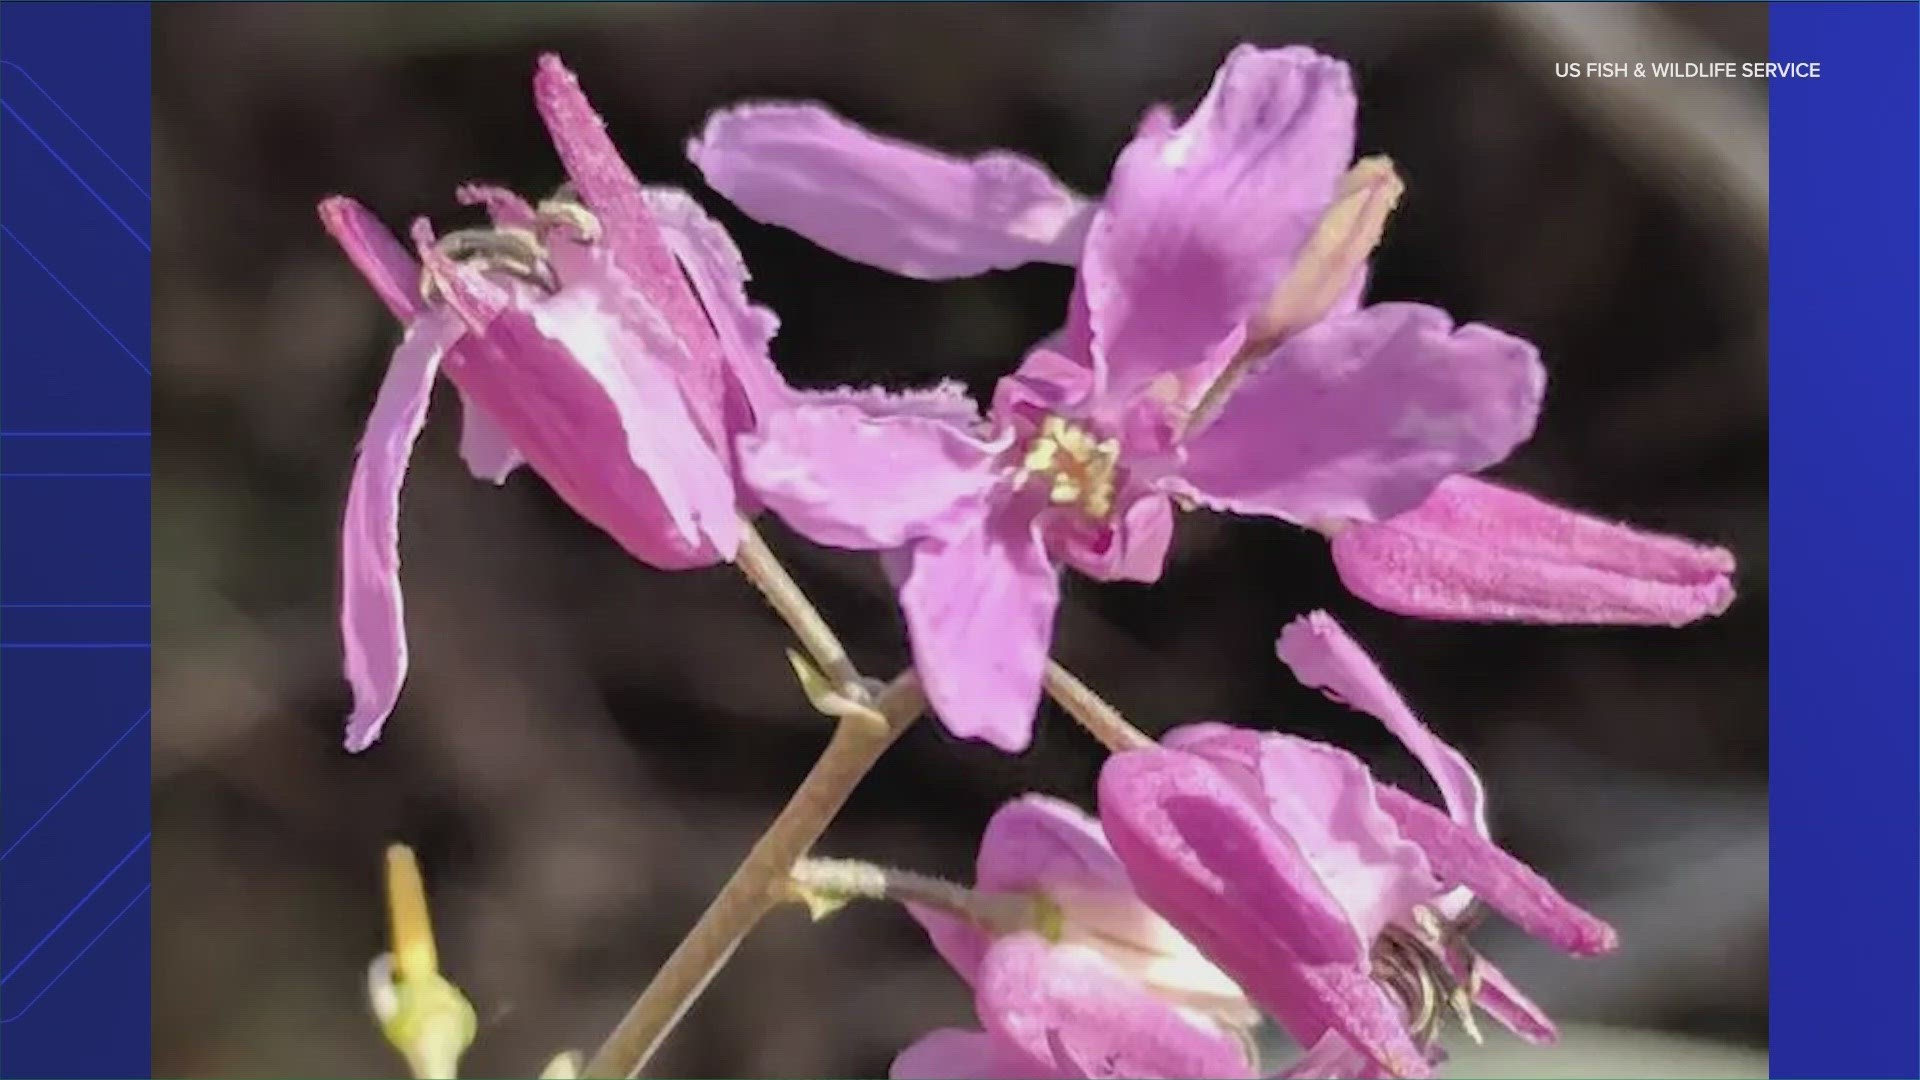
(1216, 354)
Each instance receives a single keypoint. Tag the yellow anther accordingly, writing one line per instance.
(570, 214)
(1078, 470)
(1041, 455)
(513, 252)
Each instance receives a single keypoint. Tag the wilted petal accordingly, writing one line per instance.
(372, 614)
(1200, 221)
(1071, 1010)
(1478, 551)
(484, 446)
(595, 415)
(850, 476)
(904, 208)
(1324, 657)
(979, 601)
(1360, 417)
(719, 276)
(1460, 856)
(953, 1054)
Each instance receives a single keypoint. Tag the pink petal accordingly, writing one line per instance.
(1072, 1011)
(979, 601)
(395, 277)
(1514, 1010)
(906, 209)
(1326, 801)
(372, 614)
(374, 252)
(484, 446)
(1332, 1058)
(1131, 548)
(719, 277)
(1461, 856)
(594, 414)
(610, 190)
(1361, 416)
(960, 941)
(1322, 799)
(1036, 840)
(1368, 1018)
(1047, 381)
(1212, 863)
(852, 476)
(1207, 857)
(1200, 221)
(947, 400)
(1324, 657)
(1478, 551)
(953, 1054)
(1031, 844)
(1329, 272)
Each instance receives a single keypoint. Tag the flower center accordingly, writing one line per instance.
(1077, 469)
(515, 252)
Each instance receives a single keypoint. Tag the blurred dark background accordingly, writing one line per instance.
(586, 746)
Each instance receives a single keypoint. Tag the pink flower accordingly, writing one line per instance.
(1241, 227)
(1338, 902)
(1478, 551)
(1471, 551)
(1091, 984)
(606, 343)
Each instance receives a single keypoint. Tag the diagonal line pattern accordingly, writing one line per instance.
(131, 355)
(108, 207)
(88, 771)
(82, 902)
(51, 100)
(84, 950)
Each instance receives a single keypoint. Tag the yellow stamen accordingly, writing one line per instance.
(1078, 470)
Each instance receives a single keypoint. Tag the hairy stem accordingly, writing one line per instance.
(1092, 712)
(757, 561)
(832, 882)
(757, 885)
